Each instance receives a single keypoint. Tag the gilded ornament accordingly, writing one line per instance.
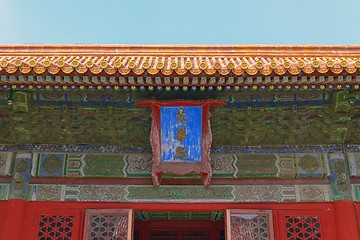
(252, 71)
(60, 63)
(195, 71)
(138, 71)
(188, 65)
(286, 64)
(146, 65)
(330, 63)
(152, 71)
(308, 69)
(315, 63)
(344, 63)
(67, 69)
(236, 71)
(203, 65)
(294, 70)
(104, 64)
(117, 63)
(17, 62)
(4, 63)
(11, 68)
(357, 63)
(273, 64)
(301, 64)
(217, 65)
(25, 68)
(351, 69)
(39, 69)
(46, 63)
(75, 63)
(337, 69)
(131, 64)
(231, 65)
(259, 65)
(110, 71)
(89, 63)
(159, 65)
(244, 65)
(32, 63)
(52, 69)
(166, 71)
(180, 71)
(280, 70)
(81, 69)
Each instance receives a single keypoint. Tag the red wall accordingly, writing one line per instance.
(19, 214)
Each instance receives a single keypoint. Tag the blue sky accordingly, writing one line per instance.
(180, 22)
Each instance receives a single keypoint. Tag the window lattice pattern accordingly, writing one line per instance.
(55, 227)
(108, 227)
(249, 227)
(303, 227)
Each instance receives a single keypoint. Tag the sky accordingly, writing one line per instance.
(329, 22)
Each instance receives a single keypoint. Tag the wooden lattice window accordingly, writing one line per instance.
(55, 227)
(249, 224)
(303, 227)
(108, 224)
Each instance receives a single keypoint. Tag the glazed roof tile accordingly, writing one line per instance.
(141, 60)
(179, 60)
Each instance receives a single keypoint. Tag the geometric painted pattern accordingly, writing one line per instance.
(178, 193)
(55, 227)
(139, 165)
(303, 227)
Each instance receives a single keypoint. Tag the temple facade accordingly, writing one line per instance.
(179, 142)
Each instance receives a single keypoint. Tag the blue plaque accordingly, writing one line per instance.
(181, 133)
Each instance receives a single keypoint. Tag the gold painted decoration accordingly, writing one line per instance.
(237, 71)
(210, 71)
(110, 71)
(203, 65)
(153, 71)
(81, 69)
(24, 68)
(46, 63)
(195, 71)
(39, 69)
(11, 68)
(67, 69)
(166, 71)
(96, 70)
(53, 69)
(4, 63)
(138, 71)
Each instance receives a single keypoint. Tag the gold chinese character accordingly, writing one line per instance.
(181, 116)
(181, 152)
(181, 134)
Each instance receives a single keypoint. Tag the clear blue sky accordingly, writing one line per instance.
(180, 22)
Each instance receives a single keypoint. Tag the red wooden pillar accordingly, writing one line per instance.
(347, 226)
(13, 225)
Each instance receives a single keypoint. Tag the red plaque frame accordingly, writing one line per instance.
(180, 168)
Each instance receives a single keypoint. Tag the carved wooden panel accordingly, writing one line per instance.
(108, 224)
(249, 224)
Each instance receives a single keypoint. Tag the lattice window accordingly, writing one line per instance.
(249, 225)
(55, 227)
(303, 227)
(108, 225)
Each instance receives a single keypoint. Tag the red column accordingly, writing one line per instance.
(15, 214)
(347, 226)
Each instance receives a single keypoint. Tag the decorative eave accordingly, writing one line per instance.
(123, 61)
